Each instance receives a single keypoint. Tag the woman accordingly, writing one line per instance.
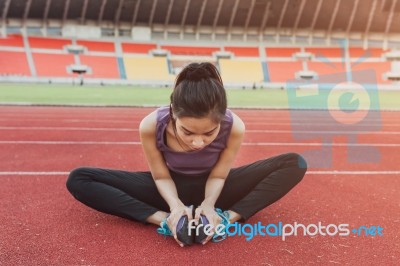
(190, 146)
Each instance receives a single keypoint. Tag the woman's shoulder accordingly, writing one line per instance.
(238, 126)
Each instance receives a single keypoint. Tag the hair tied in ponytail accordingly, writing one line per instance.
(197, 74)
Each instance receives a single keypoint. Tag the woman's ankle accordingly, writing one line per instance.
(157, 217)
(234, 216)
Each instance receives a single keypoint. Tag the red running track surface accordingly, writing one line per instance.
(42, 224)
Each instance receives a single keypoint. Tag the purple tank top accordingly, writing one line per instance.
(195, 162)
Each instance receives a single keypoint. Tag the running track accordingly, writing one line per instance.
(41, 224)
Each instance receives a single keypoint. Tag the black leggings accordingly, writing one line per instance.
(134, 195)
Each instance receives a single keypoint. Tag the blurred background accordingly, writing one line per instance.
(57, 51)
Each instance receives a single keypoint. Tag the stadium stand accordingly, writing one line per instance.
(283, 71)
(48, 43)
(53, 65)
(147, 68)
(235, 71)
(13, 63)
(97, 46)
(137, 48)
(101, 66)
(243, 51)
(281, 51)
(380, 68)
(12, 40)
(190, 50)
(325, 52)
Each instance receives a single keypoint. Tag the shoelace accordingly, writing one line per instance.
(225, 221)
(164, 229)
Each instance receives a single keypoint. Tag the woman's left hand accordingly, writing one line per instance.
(212, 217)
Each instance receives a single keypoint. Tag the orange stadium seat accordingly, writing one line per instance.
(283, 71)
(53, 65)
(325, 52)
(380, 68)
(329, 68)
(137, 48)
(102, 66)
(48, 43)
(190, 50)
(357, 52)
(12, 40)
(97, 46)
(14, 63)
(243, 51)
(281, 52)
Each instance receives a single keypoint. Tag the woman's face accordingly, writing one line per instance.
(196, 133)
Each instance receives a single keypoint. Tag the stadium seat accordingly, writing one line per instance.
(357, 52)
(48, 43)
(97, 46)
(243, 51)
(147, 69)
(241, 71)
(137, 48)
(12, 40)
(380, 68)
(102, 66)
(53, 65)
(283, 71)
(281, 51)
(14, 63)
(325, 52)
(190, 50)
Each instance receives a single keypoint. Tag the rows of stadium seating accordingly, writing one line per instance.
(134, 61)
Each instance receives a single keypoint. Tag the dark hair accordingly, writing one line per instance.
(199, 92)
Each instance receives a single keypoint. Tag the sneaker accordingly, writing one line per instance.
(201, 236)
(182, 231)
(204, 221)
(225, 221)
(164, 229)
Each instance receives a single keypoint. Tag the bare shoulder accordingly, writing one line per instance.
(238, 127)
(148, 124)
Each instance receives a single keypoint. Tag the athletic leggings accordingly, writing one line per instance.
(134, 195)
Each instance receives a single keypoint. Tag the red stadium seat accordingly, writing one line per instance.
(53, 65)
(190, 50)
(325, 52)
(137, 48)
(243, 51)
(48, 43)
(14, 63)
(283, 71)
(281, 52)
(12, 40)
(97, 46)
(102, 66)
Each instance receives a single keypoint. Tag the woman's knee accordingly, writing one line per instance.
(75, 179)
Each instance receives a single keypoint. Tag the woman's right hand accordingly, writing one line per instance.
(173, 219)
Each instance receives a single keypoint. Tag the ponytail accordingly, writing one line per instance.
(199, 92)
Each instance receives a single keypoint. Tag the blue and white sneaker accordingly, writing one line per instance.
(225, 221)
(204, 221)
(182, 231)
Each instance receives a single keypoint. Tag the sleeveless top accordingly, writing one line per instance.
(195, 162)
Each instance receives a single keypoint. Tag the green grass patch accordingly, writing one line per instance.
(54, 94)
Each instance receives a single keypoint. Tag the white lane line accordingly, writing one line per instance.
(267, 131)
(303, 123)
(308, 173)
(327, 144)
(69, 128)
